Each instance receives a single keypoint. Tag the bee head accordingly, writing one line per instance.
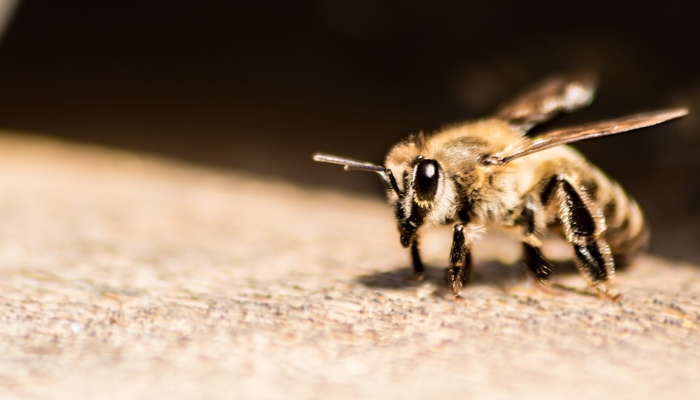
(423, 185)
(420, 198)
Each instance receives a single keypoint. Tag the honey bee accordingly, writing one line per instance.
(489, 173)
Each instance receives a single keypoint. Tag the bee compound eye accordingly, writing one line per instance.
(426, 179)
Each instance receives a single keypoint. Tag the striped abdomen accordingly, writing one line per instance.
(627, 233)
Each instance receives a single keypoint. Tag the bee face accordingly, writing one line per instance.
(423, 184)
(433, 178)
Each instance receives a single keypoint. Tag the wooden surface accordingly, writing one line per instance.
(127, 277)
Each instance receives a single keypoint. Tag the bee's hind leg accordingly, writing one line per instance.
(584, 227)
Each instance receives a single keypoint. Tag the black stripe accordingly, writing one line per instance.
(581, 220)
(591, 261)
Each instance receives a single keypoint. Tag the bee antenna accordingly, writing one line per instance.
(354, 165)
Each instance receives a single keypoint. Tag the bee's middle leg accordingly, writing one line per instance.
(535, 264)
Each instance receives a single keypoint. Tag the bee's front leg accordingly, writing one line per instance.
(418, 268)
(459, 271)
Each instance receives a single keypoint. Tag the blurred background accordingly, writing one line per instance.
(260, 86)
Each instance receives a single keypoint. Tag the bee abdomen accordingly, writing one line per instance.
(627, 233)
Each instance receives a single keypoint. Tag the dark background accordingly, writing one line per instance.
(259, 86)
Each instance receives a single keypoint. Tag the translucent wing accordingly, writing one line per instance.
(546, 99)
(588, 131)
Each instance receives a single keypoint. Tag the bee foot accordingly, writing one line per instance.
(415, 278)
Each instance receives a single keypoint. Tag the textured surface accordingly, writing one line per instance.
(124, 277)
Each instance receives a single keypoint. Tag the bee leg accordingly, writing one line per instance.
(459, 271)
(536, 265)
(418, 268)
(596, 265)
(584, 227)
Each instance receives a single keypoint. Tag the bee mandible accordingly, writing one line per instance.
(490, 173)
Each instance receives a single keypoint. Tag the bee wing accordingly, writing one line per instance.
(546, 99)
(589, 131)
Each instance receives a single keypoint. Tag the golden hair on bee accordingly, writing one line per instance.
(490, 172)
